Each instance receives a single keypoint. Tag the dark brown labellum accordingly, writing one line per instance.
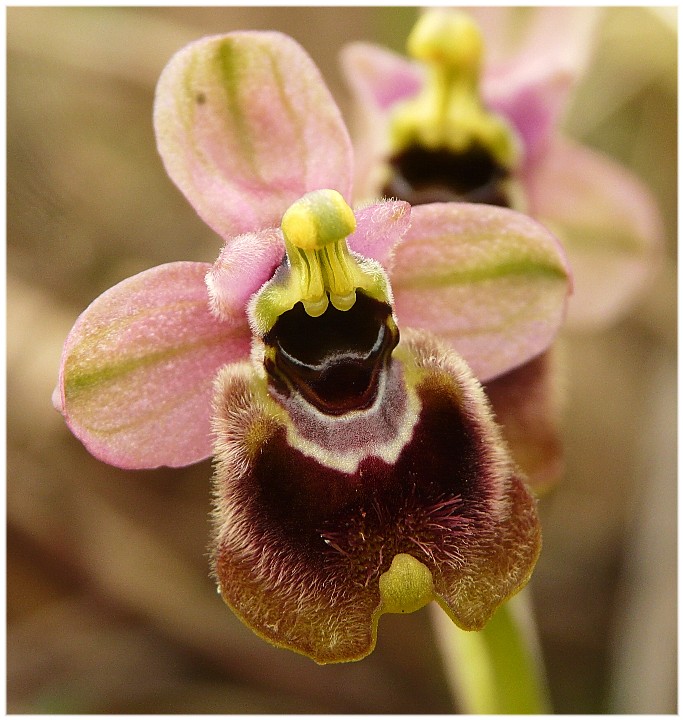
(301, 544)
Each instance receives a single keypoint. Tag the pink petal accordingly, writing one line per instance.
(608, 222)
(244, 264)
(380, 227)
(378, 76)
(138, 366)
(530, 81)
(245, 126)
(489, 280)
(532, 97)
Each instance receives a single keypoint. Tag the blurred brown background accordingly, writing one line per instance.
(110, 608)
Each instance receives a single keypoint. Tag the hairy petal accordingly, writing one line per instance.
(245, 263)
(527, 403)
(608, 222)
(503, 558)
(245, 126)
(501, 540)
(379, 229)
(491, 281)
(138, 366)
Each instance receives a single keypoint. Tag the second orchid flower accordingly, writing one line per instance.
(463, 119)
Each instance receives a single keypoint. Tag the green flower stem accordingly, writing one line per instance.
(499, 669)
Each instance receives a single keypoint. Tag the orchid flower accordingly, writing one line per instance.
(472, 118)
(358, 468)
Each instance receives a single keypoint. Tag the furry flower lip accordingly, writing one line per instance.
(358, 470)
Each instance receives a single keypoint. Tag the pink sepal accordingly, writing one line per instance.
(491, 281)
(608, 222)
(137, 369)
(245, 126)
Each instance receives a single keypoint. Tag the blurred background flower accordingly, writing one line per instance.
(110, 607)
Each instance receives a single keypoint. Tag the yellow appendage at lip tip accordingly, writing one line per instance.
(406, 586)
(448, 113)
